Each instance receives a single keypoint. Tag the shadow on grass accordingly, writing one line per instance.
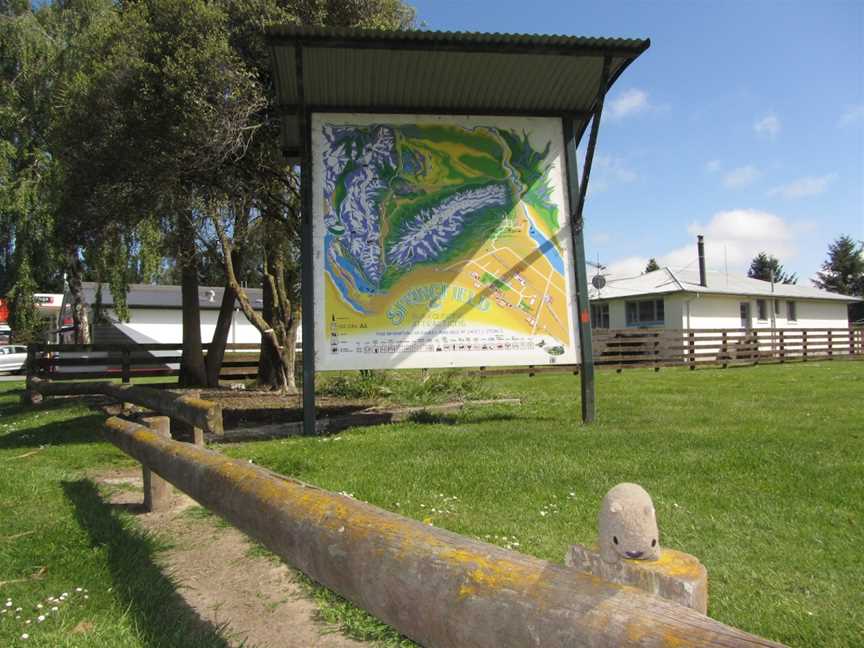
(443, 418)
(84, 429)
(163, 618)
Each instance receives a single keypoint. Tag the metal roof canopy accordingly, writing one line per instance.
(320, 69)
(355, 70)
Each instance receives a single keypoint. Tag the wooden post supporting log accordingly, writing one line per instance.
(157, 491)
(434, 586)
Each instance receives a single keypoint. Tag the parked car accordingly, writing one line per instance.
(13, 358)
(5, 334)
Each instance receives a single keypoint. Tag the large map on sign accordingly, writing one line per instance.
(440, 241)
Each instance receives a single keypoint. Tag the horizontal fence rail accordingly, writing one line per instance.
(615, 348)
(80, 361)
(435, 586)
(656, 347)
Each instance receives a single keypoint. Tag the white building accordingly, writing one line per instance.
(677, 299)
(156, 316)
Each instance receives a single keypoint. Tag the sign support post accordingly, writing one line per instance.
(577, 203)
(307, 275)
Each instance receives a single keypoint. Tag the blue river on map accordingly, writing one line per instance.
(359, 281)
(546, 246)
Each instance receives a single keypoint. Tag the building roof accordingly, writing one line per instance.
(666, 280)
(346, 69)
(149, 296)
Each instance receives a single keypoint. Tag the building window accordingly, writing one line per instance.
(791, 312)
(600, 316)
(649, 312)
(776, 306)
(762, 309)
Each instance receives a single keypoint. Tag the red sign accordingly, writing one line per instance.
(4, 311)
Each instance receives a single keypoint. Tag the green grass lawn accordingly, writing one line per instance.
(757, 471)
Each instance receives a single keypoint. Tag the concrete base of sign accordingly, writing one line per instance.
(676, 576)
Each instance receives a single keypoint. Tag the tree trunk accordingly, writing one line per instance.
(216, 351)
(192, 369)
(274, 332)
(269, 358)
(80, 317)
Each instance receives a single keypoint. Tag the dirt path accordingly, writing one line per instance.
(223, 578)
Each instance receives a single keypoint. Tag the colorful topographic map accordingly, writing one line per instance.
(442, 225)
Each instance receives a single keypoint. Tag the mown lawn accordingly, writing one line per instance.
(757, 471)
(58, 536)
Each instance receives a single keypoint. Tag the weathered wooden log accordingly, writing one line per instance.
(193, 410)
(434, 586)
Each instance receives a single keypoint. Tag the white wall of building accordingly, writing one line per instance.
(685, 310)
(165, 326)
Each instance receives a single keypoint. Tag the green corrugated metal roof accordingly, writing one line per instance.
(560, 44)
(354, 70)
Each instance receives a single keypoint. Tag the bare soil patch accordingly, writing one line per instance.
(223, 576)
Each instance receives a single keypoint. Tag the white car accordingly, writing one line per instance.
(12, 358)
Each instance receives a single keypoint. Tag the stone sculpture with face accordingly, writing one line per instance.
(628, 525)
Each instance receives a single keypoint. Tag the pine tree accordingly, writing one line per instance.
(652, 265)
(843, 270)
(767, 268)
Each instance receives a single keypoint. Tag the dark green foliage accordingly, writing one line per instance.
(843, 270)
(767, 268)
(652, 265)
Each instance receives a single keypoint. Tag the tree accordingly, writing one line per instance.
(767, 268)
(652, 265)
(28, 171)
(843, 270)
(165, 119)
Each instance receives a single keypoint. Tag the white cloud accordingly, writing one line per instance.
(631, 266)
(803, 187)
(713, 166)
(852, 115)
(610, 170)
(741, 177)
(768, 126)
(629, 102)
(732, 238)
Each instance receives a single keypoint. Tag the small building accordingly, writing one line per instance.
(156, 315)
(681, 299)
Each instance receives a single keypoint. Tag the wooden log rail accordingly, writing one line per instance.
(434, 586)
(191, 410)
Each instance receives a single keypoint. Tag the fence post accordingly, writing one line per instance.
(830, 345)
(754, 347)
(725, 349)
(804, 345)
(692, 348)
(157, 491)
(851, 342)
(31, 364)
(656, 353)
(127, 366)
(782, 347)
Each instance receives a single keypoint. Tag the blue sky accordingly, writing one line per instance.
(744, 122)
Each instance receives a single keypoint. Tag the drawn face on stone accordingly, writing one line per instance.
(628, 525)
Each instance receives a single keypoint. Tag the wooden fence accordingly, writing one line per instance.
(614, 348)
(77, 361)
(622, 348)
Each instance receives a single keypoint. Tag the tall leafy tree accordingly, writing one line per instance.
(767, 268)
(843, 270)
(28, 171)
